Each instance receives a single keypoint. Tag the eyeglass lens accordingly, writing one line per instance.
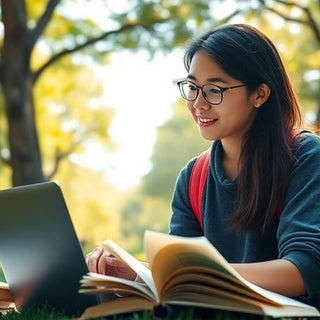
(210, 92)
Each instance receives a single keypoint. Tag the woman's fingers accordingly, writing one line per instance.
(104, 265)
(103, 262)
(93, 258)
(113, 266)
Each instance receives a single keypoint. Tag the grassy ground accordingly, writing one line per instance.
(184, 314)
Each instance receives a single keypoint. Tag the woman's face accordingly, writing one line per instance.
(233, 116)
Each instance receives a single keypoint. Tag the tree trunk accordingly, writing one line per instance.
(25, 157)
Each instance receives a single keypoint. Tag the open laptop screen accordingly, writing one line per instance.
(39, 251)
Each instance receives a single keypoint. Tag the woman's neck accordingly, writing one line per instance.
(231, 158)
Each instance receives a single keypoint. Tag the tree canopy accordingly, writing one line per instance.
(42, 39)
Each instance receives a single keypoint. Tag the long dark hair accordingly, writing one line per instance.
(248, 55)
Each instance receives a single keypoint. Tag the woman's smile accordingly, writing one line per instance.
(206, 122)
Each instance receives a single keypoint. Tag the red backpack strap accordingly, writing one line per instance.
(198, 178)
(279, 210)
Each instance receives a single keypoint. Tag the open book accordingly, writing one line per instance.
(184, 271)
(6, 300)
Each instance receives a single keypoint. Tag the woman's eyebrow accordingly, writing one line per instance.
(213, 79)
(216, 79)
(191, 77)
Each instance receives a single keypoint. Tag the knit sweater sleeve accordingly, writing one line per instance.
(183, 221)
(299, 227)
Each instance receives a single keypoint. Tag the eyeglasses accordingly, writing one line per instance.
(212, 94)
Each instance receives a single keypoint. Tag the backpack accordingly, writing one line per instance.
(198, 178)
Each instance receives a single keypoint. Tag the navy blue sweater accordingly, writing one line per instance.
(295, 236)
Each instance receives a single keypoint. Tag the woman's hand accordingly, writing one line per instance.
(102, 261)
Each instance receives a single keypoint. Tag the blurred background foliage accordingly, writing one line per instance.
(52, 106)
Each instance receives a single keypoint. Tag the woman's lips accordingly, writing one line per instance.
(205, 122)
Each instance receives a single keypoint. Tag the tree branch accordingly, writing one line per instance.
(42, 22)
(286, 17)
(3, 159)
(89, 42)
(312, 23)
(229, 17)
(309, 21)
(59, 155)
(6, 161)
(287, 3)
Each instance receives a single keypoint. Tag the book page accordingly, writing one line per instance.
(283, 300)
(5, 294)
(142, 271)
(172, 253)
(167, 254)
(203, 277)
(95, 283)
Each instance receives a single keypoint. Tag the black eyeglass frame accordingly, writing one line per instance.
(222, 90)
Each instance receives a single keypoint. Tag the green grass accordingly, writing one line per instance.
(183, 314)
(39, 314)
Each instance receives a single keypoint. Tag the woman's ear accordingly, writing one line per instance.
(261, 95)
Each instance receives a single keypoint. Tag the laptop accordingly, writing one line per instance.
(40, 253)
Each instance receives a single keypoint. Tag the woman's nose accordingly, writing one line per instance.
(200, 102)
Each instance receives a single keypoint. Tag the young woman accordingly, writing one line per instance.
(239, 95)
